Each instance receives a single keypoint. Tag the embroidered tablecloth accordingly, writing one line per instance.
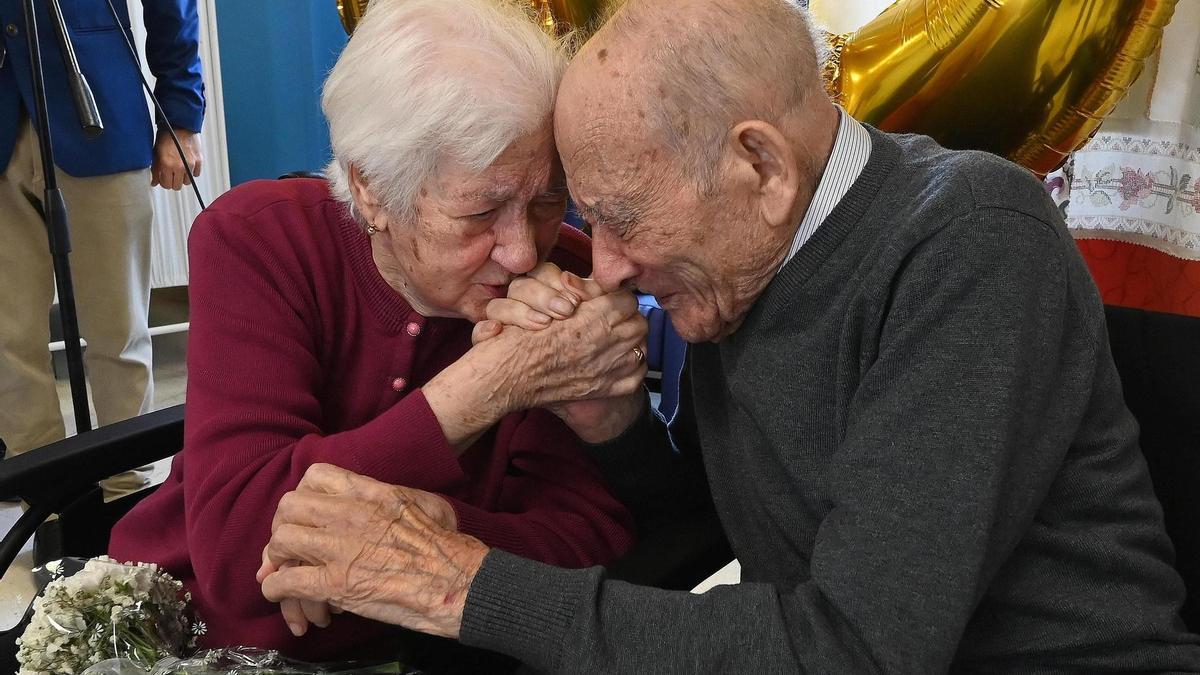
(1134, 189)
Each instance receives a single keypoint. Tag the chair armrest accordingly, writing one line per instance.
(72, 465)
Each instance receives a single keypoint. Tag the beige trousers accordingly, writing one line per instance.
(110, 263)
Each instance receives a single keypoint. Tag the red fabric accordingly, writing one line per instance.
(296, 344)
(574, 251)
(1136, 276)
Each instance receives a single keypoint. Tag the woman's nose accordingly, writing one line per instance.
(516, 248)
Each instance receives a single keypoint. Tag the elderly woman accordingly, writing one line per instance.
(331, 323)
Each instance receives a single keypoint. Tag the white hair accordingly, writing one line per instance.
(426, 80)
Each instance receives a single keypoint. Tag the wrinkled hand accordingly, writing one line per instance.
(549, 295)
(167, 168)
(588, 357)
(299, 612)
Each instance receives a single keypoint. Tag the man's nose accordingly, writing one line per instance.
(611, 267)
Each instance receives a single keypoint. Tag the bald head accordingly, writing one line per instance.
(693, 133)
(685, 72)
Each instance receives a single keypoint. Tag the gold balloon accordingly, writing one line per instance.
(581, 15)
(351, 11)
(1027, 79)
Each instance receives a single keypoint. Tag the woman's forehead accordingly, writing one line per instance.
(502, 181)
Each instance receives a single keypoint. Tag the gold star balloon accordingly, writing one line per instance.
(1027, 79)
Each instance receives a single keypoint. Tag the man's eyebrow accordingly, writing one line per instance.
(586, 211)
(609, 212)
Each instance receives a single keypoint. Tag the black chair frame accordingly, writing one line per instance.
(62, 478)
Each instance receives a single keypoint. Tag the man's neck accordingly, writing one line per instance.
(813, 144)
(775, 249)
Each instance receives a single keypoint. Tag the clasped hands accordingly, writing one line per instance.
(344, 542)
(583, 349)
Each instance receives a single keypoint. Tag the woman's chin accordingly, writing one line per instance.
(473, 305)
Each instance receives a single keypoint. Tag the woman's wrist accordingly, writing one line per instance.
(467, 399)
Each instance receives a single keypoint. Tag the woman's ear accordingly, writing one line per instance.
(765, 154)
(364, 200)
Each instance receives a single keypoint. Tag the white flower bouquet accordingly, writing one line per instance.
(107, 611)
(132, 619)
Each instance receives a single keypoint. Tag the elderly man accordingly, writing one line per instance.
(908, 418)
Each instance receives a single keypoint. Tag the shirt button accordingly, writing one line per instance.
(414, 329)
(11, 29)
(399, 384)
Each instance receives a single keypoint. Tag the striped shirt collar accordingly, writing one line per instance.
(851, 150)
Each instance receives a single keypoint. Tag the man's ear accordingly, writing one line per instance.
(767, 157)
(364, 200)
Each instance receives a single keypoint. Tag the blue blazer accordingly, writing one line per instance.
(172, 50)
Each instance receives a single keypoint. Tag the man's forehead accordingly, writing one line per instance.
(608, 190)
(598, 82)
(598, 169)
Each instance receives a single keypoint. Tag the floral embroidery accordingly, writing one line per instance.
(1166, 190)
(1138, 145)
(1140, 190)
(1134, 186)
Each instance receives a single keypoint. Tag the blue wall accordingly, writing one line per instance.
(274, 57)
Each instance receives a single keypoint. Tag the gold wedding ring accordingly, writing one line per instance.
(639, 354)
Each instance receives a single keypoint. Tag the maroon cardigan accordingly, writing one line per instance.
(299, 353)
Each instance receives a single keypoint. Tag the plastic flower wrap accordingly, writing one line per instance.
(132, 619)
(242, 661)
(107, 610)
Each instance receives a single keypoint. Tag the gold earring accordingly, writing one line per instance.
(372, 230)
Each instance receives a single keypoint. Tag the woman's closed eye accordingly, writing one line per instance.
(483, 215)
(548, 208)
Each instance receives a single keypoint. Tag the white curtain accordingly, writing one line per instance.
(175, 211)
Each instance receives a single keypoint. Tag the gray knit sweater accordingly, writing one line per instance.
(918, 448)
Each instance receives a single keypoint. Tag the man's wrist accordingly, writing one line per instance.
(470, 561)
(183, 134)
(625, 413)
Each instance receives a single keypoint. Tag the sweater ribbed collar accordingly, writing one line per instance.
(392, 310)
(844, 217)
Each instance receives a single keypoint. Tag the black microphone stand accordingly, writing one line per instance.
(54, 209)
(81, 93)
